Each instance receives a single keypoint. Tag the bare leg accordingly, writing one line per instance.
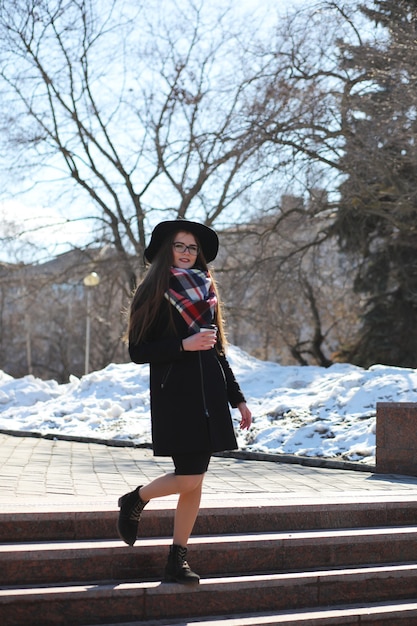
(186, 514)
(169, 484)
(177, 569)
(189, 489)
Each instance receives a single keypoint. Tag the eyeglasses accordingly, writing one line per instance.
(181, 247)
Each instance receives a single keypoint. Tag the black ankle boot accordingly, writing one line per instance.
(177, 569)
(131, 506)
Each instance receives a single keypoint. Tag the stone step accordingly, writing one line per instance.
(101, 560)
(91, 603)
(157, 522)
(366, 614)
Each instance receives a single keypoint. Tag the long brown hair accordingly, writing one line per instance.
(150, 294)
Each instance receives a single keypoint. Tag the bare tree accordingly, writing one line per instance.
(147, 114)
(293, 297)
(376, 221)
(285, 298)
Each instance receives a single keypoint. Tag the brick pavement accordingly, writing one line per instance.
(42, 474)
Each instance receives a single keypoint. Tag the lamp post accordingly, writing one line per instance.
(91, 280)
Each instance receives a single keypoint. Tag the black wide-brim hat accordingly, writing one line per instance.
(207, 237)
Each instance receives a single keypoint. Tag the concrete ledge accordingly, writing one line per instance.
(116, 443)
(310, 461)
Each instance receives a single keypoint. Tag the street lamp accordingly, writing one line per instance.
(91, 280)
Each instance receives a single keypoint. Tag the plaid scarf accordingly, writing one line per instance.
(191, 293)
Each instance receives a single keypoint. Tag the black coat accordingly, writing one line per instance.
(190, 391)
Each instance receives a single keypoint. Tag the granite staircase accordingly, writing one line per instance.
(345, 564)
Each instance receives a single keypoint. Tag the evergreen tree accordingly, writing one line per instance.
(377, 217)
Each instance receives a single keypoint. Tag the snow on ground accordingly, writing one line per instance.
(306, 411)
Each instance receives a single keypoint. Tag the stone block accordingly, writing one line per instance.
(396, 438)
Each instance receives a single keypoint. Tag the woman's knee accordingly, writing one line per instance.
(189, 482)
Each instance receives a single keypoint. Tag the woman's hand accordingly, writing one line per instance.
(246, 420)
(204, 340)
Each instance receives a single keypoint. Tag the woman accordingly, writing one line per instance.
(191, 383)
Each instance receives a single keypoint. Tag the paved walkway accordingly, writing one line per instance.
(44, 474)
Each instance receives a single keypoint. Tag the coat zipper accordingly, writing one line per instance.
(165, 378)
(206, 413)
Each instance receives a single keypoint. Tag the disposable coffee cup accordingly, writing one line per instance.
(208, 329)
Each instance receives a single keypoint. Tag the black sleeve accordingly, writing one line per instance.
(156, 351)
(234, 393)
(162, 343)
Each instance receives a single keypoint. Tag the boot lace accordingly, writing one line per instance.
(182, 553)
(137, 510)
